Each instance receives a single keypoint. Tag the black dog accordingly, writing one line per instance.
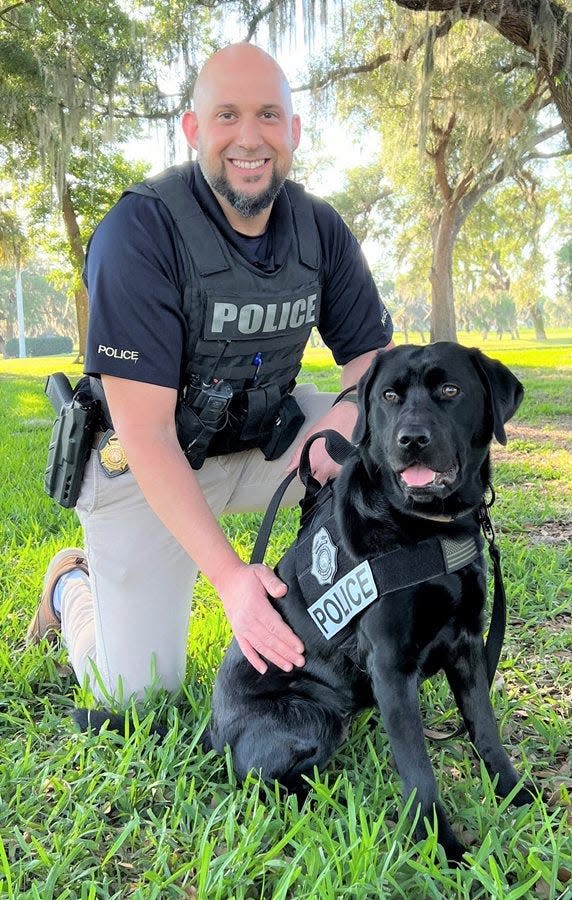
(413, 485)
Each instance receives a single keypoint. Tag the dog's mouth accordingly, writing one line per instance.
(420, 478)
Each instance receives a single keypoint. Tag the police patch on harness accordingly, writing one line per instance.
(344, 600)
(324, 557)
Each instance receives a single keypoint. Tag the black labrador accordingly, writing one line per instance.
(414, 483)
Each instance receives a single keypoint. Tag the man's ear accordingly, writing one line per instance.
(296, 131)
(504, 391)
(190, 127)
(361, 429)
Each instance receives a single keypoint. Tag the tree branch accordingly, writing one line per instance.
(440, 30)
(258, 17)
(8, 9)
(438, 156)
(519, 22)
(555, 155)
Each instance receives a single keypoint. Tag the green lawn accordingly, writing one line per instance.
(122, 816)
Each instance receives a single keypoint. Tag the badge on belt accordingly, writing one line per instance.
(112, 455)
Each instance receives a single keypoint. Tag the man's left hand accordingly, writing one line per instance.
(342, 418)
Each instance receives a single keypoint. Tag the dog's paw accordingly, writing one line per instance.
(525, 795)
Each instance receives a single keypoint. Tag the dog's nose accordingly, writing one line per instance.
(413, 435)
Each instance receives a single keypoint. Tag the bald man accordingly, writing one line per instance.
(204, 285)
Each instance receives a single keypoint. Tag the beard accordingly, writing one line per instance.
(246, 205)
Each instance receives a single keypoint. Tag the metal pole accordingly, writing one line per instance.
(20, 312)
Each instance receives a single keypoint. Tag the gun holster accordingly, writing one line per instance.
(70, 446)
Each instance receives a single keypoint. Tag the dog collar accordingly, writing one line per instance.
(439, 517)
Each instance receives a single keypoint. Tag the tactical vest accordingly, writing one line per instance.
(245, 326)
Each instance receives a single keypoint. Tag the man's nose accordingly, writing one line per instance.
(249, 133)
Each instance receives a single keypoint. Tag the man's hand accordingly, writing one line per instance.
(342, 418)
(257, 626)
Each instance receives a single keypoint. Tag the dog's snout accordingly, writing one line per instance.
(414, 436)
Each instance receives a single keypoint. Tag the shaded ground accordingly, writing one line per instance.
(556, 532)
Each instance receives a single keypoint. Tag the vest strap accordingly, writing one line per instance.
(304, 224)
(189, 219)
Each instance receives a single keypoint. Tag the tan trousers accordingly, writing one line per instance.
(127, 631)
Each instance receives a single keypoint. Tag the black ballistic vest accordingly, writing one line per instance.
(245, 326)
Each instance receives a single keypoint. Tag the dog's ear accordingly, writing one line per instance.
(504, 390)
(361, 430)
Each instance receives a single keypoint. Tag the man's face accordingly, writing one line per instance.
(244, 130)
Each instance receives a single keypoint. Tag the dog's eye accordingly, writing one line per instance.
(391, 396)
(450, 390)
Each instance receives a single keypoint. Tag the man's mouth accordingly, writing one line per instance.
(248, 164)
(419, 476)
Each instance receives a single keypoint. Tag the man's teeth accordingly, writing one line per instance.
(248, 163)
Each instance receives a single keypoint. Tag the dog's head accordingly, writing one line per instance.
(426, 418)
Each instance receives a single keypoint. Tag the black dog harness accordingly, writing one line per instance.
(337, 588)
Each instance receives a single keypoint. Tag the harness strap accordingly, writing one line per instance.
(497, 624)
(338, 448)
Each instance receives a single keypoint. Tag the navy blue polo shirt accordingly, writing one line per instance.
(135, 278)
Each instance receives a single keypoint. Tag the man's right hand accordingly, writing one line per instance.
(258, 628)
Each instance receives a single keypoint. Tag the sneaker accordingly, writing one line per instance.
(46, 623)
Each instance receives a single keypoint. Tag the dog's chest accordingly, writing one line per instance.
(339, 590)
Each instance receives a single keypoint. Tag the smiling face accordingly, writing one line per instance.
(429, 427)
(244, 132)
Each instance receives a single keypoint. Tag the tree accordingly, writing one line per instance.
(454, 123)
(13, 249)
(542, 28)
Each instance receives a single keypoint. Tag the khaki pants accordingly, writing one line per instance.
(130, 625)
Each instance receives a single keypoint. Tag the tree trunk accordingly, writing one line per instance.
(444, 232)
(77, 256)
(537, 321)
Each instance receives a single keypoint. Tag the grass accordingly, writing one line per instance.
(117, 816)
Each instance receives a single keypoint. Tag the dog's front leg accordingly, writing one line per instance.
(397, 698)
(468, 679)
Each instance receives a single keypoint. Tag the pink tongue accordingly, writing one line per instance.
(418, 476)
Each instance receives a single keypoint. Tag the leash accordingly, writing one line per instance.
(497, 624)
(340, 449)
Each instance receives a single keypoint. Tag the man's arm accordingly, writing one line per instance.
(144, 419)
(342, 418)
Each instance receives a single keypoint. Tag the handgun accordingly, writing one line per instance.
(71, 440)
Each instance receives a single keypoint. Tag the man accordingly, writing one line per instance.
(210, 275)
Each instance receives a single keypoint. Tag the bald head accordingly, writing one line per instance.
(241, 65)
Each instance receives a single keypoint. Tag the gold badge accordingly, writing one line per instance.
(112, 455)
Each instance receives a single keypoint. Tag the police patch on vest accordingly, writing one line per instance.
(236, 319)
(324, 557)
(344, 600)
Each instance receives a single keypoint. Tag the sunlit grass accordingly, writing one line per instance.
(110, 816)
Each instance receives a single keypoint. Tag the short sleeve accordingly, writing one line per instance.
(353, 318)
(135, 281)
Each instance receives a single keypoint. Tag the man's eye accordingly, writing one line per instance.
(391, 396)
(450, 390)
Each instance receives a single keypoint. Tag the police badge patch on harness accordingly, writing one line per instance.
(324, 557)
